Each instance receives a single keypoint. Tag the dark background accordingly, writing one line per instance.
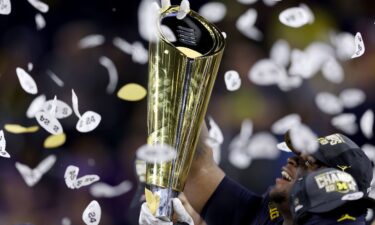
(123, 129)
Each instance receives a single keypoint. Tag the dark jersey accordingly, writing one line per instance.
(232, 204)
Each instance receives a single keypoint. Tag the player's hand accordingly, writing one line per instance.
(181, 215)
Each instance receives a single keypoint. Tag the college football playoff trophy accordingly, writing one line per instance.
(183, 64)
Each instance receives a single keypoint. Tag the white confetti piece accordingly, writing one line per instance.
(366, 123)
(148, 13)
(27, 82)
(168, 33)
(88, 122)
(308, 10)
(300, 64)
(289, 82)
(112, 72)
(157, 153)
(41, 6)
(303, 139)
(262, 145)
(266, 72)
(75, 104)
(35, 106)
(344, 44)
(224, 35)
(352, 97)
(3, 152)
(66, 221)
(52, 111)
(123, 45)
(61, 111)
(369, 150)
(270, 2)
(245, 24)
(139, 53)
(30, 66)
(32, 176)
(91, 215)
(165, 4)
(55, 78)
(232, 80)
(359, 46)
(91, 41)
(48, 122)
(295, 17)
(184, 9)
(5, 7)
(328, 103)
(103, 190)
(346, 123)
(333, 71)
(369, 215)
(239, 159)
(73, 182)
(215, 136)
(213, 11)
(282, 125)
(238, 145)
(247, 2)
(280, 52)
(40, 21)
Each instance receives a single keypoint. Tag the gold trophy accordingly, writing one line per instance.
(182, 71)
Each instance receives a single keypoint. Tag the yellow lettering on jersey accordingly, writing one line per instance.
(274, 213)
(346, 217)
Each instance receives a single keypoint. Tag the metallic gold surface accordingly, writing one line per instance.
(181, 78)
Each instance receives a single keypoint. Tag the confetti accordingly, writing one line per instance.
(239, 159)
(54, 141)
(132, 92)
(27, 82)
(91, 41)
(88, 122)
(344, 44)
(41, 6)
(366, 123)
(140, 169)
(30, 66)
(266, 72)
(280, 52)
(328, 103)
(103, 190)
(139, 53)
(369, 214)
(75, 104)
(3, 152)
(48, 122)
(247, 2)
(40, 21)
(55, 78)
(333, 71)
(91, 215)
(213, 11)
(284, 124)
(245, 24)
(157, 153)
(148, 13)
(345, 122)
(300, 64)
(18, 129)
(112, 72)
(5, 7)
(283, 147)
(359, 46)
(232, 80)
(352, 97)
(270, 2)
(35, 106)
(240, 141)
(62, 109)
(215, 136)
(123, 45)
(73, 182)
(165, 4)
(262, 145)
(303, 139)
(184, 9)
(289, 82)
(369, 150)
(168, 33)
(295, 17)
(66, 221)
(32, 176)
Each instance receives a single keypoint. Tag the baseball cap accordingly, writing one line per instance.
(326, 190)
(338, 151)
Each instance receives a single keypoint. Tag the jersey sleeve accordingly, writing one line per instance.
(232, 204)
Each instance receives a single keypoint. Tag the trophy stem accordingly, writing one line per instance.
(164, 211)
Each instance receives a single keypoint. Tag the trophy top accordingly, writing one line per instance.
(193, 35)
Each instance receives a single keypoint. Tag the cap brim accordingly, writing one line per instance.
(327, 206)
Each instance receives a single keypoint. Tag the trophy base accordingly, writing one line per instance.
(165, 209)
